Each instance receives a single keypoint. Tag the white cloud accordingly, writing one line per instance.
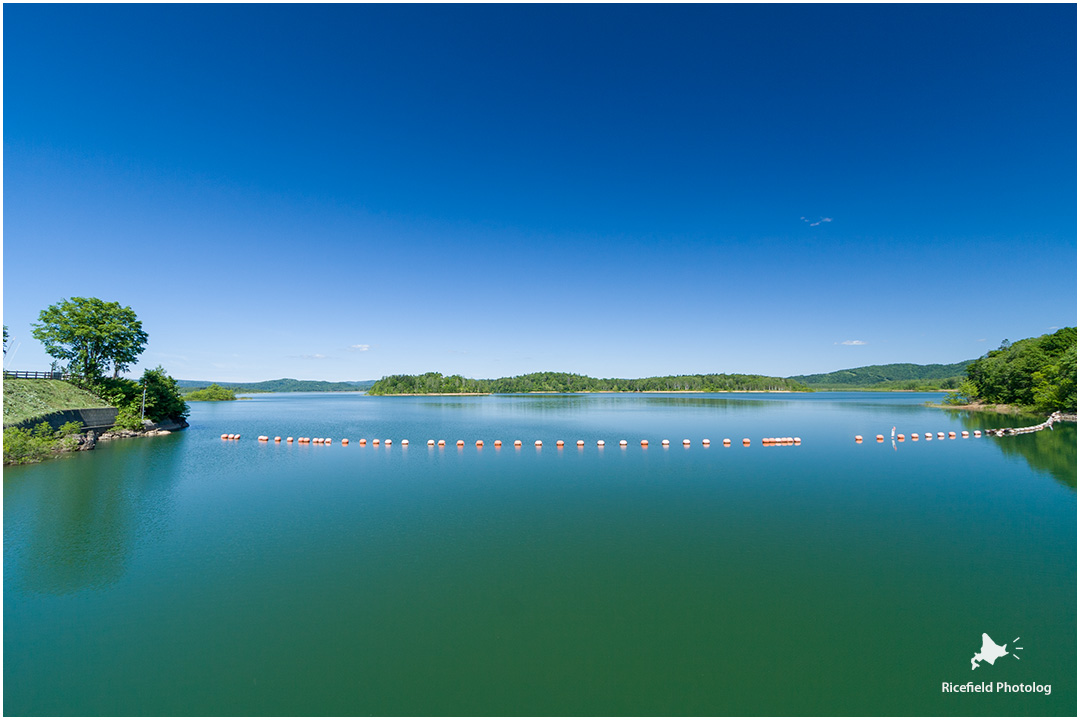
(815, 223)
(853, 342)
(360, 348)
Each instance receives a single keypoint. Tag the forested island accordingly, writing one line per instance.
(213, 392)
(434, 383)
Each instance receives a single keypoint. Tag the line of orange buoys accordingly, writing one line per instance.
(914, 437)
(375, 442)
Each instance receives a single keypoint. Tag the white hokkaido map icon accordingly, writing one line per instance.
(991, 651)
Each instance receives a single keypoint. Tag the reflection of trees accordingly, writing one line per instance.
(84, 515)
(1051, 451)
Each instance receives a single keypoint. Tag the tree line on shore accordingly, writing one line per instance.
(437, 383)
(1037, 374)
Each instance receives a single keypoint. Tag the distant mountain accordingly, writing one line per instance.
(896, 376)
(283, 385)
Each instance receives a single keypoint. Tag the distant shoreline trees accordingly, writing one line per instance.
(436, 383)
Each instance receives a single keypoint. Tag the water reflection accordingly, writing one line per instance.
(85, 519)
(1048, 451)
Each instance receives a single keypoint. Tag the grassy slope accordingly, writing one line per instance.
(28, 399)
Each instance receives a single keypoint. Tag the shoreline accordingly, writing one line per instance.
(1000, 409)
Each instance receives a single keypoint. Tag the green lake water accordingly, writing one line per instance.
(186, 575)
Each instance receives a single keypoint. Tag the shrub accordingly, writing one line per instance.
(22, 446)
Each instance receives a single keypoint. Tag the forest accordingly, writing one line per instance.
(1035, 373)
(437, 383)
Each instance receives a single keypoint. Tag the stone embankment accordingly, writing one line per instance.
(89, 439)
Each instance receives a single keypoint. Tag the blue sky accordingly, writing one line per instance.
(344, 192)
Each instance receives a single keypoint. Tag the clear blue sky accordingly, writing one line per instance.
(343, 192)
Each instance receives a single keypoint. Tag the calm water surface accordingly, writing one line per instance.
(185, 575)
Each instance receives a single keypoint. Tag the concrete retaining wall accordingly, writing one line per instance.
(91, 418)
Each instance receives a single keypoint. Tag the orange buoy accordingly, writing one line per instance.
(326, 441)
(442, 443)
(404, 443)
(705, 441)
(880, 438)
(559, 443)
(479, 443)
(929, 436)
(362, 441)
(941, 436)
(538, 443)
(461, 443)
(746, 441)
(498, 443)
(914, 436)
(277, 438)
(644, 443)
(858, 438)
(430, 442)
(622, 443)
(964, 434)
(978, 433)
(264, 438)
(797, 441)
(288, 439)
(375, 442)
(344, 441)
(727, 441)
(665, 443)
(517, 443)
(766, 441)
(581, 443)
(599, 443)
(900, 437)
(224, 436)
(387, 441)
(952, 435)
(686, 441)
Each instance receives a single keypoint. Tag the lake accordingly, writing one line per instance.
(187, 575)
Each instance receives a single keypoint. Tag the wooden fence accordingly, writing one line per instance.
(35, 375)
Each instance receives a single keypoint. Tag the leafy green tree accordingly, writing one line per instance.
(91, 335)
(5, 339)
(163, 399)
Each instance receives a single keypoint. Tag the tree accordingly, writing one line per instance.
(91, 335)
(5, 339)
(163, 399)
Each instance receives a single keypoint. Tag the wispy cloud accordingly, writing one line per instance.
(359, 348)
(315, 356)
(851, 342)
(981, 340)
(815, 223)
